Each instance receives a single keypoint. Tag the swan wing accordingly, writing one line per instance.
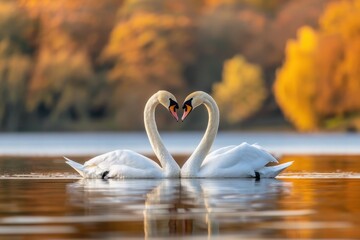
(241, 154)
(121, 157)
(239, 161)
(77, 166)
(126, 171)
(273, 171)
(220, 151)
(118, 164)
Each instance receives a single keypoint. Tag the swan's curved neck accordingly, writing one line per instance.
(171, 168)
(193, 164)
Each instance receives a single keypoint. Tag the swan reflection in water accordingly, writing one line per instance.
(179, 206)
(232, 201)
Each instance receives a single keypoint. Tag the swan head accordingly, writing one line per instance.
(192, 101)
(169, 101)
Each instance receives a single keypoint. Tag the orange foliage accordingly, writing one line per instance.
(322, 82)
(339, 59)
(92, 60)
(88, 22)
(148, 52)
(261, 4)
(292, 16)
(149, 42)
(62, 79)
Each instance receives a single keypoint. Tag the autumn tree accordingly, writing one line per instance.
(89, 62)
(174, 7)
(147, 53)
(87, 22)
(68, 82)
(318, 85)
(291, 16)
(241, 92)
(15, 64)
(295, 86)
(258, 30)
(338, 58)
(63, 79)
(259, 4)
(223, 31)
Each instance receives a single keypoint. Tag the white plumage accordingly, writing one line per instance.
(118, 164)
(233, 161)
(130, 164)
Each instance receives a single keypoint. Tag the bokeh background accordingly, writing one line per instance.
(90, 65)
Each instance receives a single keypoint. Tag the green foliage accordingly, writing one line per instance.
(241, 92)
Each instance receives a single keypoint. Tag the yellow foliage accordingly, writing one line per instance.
(295, 86)
(320, 79)
(342, 18)
(241, 92)
(340, 75)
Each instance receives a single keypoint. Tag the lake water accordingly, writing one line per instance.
(317, 197)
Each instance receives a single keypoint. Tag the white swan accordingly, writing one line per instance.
(235, 161)
(129, 164)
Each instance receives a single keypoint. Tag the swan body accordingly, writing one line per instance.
(118, 164)
(238, 161)
(233, 161)
(129, 164)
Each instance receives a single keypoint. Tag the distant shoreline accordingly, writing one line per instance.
(183, 143)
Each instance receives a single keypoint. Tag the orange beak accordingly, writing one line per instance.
(186, 112)
(173, 112)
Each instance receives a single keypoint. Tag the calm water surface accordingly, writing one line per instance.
(318, 197)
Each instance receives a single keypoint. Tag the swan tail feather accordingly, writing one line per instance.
(273, 171)
(77, 166)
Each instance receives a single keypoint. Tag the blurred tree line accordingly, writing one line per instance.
(91, 65)
(318, 85)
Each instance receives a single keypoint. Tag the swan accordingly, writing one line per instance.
(234, 161)
(130, 164)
